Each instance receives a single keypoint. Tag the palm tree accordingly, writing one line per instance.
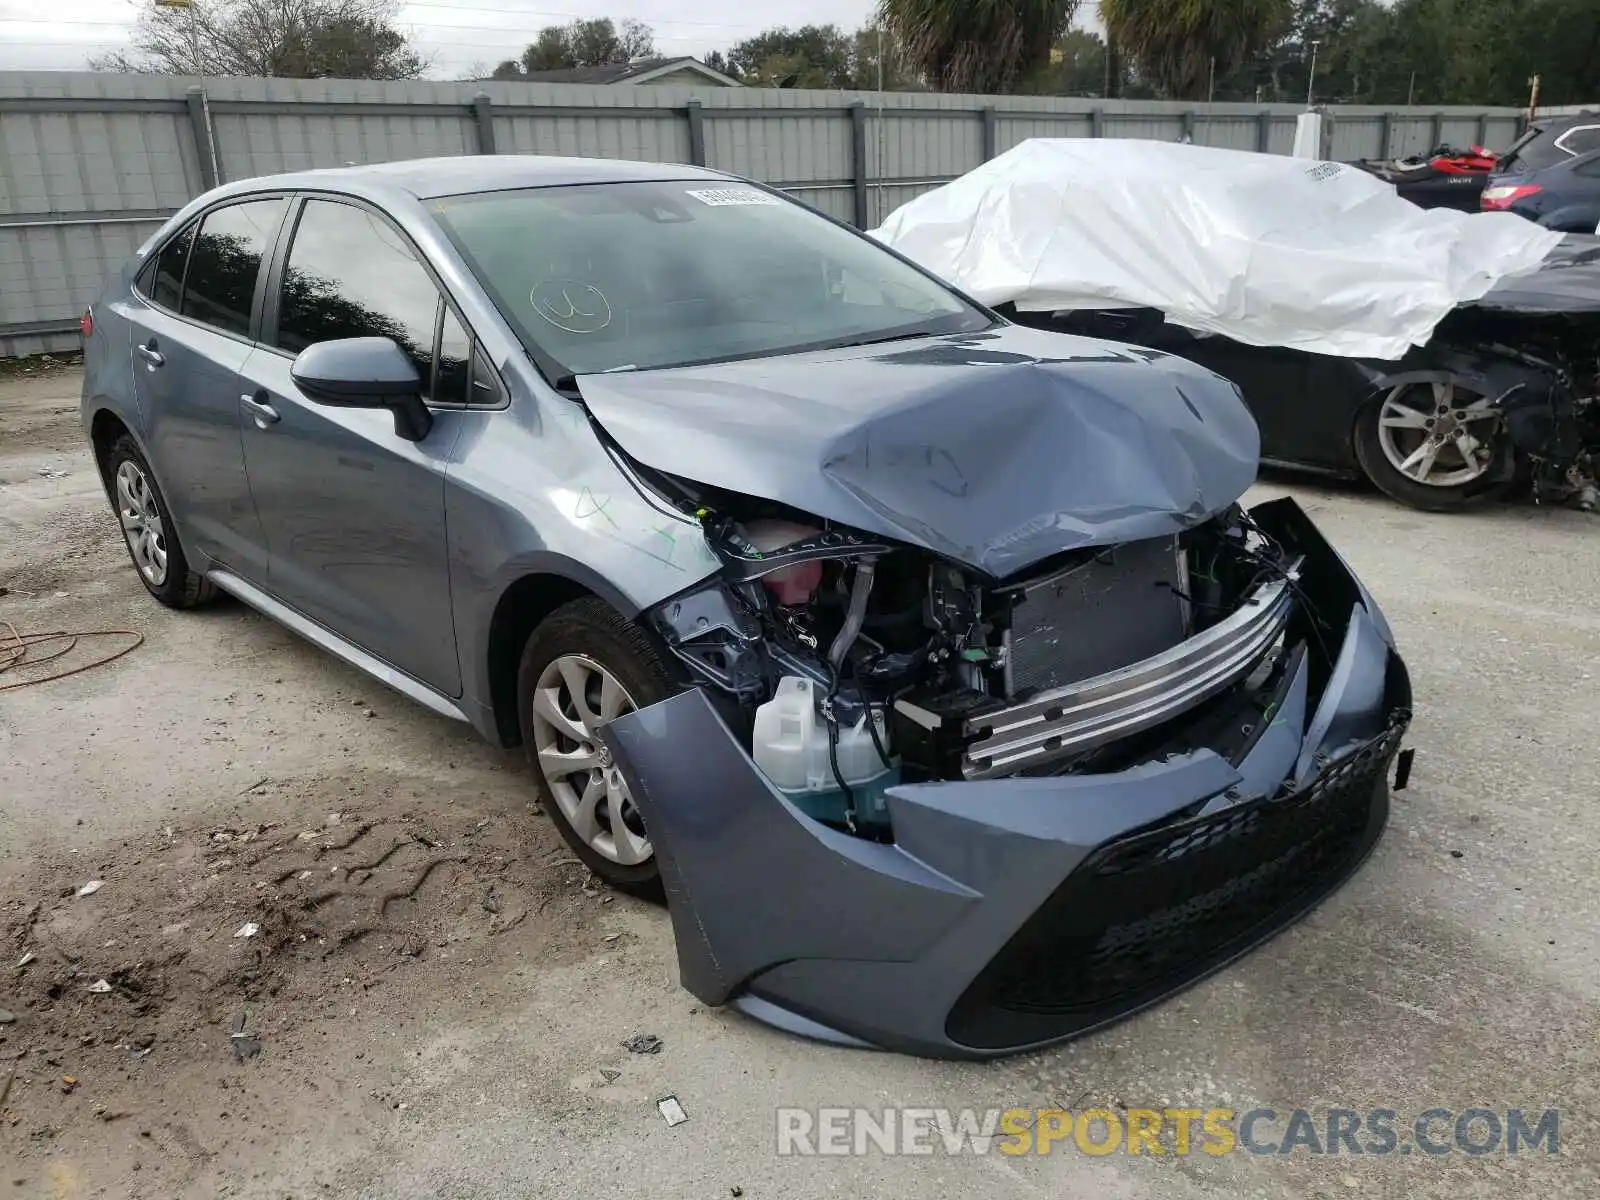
(1178, 44)
(976, 45)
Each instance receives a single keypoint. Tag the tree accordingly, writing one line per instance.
(899, 74)
(1078, 66)
(593, 43)
(1181, 45)
(977, 45)
(295, 39)
(813, 56)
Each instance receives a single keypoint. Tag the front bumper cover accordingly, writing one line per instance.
(1012, 913)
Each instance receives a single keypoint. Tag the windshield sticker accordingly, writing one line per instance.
(724, 196)
(570, 305)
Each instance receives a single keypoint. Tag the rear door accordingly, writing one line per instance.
(354, 513)
(191, 334)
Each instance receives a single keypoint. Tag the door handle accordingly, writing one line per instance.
(263, 412)
(151, 355)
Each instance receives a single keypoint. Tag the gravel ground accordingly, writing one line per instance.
(439, 993)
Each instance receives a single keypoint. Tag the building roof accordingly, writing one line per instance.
(642, 71)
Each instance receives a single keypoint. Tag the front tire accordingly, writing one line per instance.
(583, 666)
(1436, 446)
(149, 531)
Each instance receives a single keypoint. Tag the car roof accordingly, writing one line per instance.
(426, 178)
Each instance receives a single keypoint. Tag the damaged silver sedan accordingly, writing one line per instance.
(928, 664)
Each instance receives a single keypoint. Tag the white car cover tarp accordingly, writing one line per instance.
(1267, 250)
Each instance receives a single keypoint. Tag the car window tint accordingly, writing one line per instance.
(1581, 140)
(451, 371)
(227, 261)
(168, 281)
(350, 274)
(1534, 152)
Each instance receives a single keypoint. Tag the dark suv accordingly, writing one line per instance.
(1552, 175)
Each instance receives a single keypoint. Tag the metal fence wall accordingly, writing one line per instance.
(90, 164)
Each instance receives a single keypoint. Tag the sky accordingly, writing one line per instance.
(457, 34)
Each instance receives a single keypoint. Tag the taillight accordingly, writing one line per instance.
(1504, 196)
(86, 322)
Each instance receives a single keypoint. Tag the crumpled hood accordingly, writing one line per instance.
(996, 449)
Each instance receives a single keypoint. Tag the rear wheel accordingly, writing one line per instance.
(583, 666)
(1435, 446)
(147, 527)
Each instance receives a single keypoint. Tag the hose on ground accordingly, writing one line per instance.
(17, 650)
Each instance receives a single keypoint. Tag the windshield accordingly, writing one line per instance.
(629, 276)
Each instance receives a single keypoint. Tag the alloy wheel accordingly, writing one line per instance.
(1440, 435)
(573, 698)
(141, 523)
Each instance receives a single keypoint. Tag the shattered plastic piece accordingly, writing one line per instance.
(248, 929)
(245, 1045)
(609, 1075)
(90, 888)
(100, 987)
(672, 1111)
(642, 1043)
(7, 1017)
(25, 960)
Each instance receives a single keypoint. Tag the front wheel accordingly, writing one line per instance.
(583, 666)
(1434, 446)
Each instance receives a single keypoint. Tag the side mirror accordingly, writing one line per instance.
(365, 372)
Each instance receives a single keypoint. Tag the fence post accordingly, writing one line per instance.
(1264, 131)
(483, 111)
(1188, 125)
(205, 150)
(990, 132)
(858, 161)
(697, 131)
(1483, 129)
(1438, 132)
(1097, 122)
(1386, 149)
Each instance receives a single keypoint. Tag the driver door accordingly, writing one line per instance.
(353, 513)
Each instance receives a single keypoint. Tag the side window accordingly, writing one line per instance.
(166, 282)
(453, 368)
(351, 274)
(226, 263)
(1581, 140)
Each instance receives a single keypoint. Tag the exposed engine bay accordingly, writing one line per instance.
(848, 664)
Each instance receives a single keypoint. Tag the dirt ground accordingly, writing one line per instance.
(333, 949)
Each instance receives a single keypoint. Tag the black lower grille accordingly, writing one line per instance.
(1151, 911)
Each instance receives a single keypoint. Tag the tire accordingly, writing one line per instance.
(589, 636)
(174, 584)
(1375, 462)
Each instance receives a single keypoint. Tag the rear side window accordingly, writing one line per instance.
(166, 283)
(1580, 140)
(1535, 151)
(226, 262)
(351, 274)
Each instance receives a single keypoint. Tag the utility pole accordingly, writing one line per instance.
(1311, 84)
(1211, 90)
(1533, 99)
